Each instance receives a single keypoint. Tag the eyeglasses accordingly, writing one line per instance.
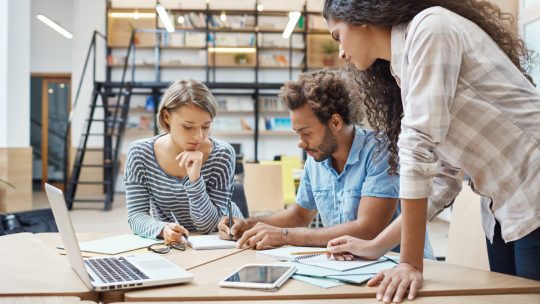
(163, 248)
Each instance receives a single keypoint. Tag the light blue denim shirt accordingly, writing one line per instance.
(337, 196)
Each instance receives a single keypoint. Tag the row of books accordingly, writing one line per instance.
(183, 39)
(266, 103)
(234, 104)
(246, 124)
(231, 21)
(271, 104)
(193, 39)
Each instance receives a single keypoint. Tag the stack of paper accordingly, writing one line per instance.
(317, 269)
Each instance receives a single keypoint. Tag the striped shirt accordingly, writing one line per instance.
(467, 107)
(151, 194)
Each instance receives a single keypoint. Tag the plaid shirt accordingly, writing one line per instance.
(466, 107)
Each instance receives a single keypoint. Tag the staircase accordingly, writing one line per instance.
(108, 113)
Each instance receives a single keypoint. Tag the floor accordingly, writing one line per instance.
(91, 218)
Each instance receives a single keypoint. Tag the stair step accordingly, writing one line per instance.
(90, 182)
(90, 200)
(108, 106)
(79, 149)
(118, 120)
(107, 164)
(100, 134)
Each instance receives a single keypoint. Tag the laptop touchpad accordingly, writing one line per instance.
(150, 265)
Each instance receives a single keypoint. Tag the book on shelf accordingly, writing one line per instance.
(172, 39)
(234, 104)
(226, 124)
(194, 39)
(271, 103)
(277, 124)
(231, 39)
(232, 22)
(190, 20)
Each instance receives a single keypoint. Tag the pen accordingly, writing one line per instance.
(230, 220)
(176, 221)
(310, 252)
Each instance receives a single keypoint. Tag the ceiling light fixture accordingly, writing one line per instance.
(223, 16)
(164, 18)
(55, 26)
(293, 19)
(260, 7)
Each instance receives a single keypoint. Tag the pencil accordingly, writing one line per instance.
(176, 221)
(310, 252)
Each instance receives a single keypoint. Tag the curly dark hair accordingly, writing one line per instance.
(382, 95)
(326, 92)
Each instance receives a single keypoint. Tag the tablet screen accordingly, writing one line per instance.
(258, 274)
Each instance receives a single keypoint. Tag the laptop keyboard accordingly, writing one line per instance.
(111, 270)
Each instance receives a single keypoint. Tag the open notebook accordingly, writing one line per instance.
(284, 253)
(321, 260)
(205, 242)
(116, 244)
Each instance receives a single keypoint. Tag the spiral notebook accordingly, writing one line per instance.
(208, 242)
(321, 260)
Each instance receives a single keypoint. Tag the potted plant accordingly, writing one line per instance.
(240, 58)
(330, 49)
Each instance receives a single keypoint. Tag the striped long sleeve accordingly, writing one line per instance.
(152, 194)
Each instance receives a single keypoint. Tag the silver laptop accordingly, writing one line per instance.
(115, 272)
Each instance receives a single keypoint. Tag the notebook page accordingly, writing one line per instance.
(321, 260)
(207, 242)
(116, 244)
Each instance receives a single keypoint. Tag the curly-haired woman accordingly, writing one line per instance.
(447, 82)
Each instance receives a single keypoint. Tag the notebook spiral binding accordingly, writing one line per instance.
(308, 256)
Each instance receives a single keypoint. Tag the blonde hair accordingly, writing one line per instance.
(185, 92)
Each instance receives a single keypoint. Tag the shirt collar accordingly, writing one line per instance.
(354, 152)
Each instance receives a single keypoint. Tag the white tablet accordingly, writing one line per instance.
(259, 276)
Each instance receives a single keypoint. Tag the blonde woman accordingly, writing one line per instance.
(182, 171)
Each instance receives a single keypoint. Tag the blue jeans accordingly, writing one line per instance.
(520, 258)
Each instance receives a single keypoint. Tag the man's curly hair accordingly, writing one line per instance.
(327, 92)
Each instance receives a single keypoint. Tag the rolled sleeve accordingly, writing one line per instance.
(446, 186)
(434, 51)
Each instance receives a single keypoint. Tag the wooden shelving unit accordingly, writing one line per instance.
(158, 46)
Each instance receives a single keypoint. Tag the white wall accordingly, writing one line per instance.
(15, 73)
(87, 17)
(508, 6)
(3, 71)
(51, 52)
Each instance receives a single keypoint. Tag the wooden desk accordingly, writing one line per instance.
(441, 279)
(481, 299)
(29, 267)
(188, 259)
(44, 300)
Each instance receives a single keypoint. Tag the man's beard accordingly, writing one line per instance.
(327, 147)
